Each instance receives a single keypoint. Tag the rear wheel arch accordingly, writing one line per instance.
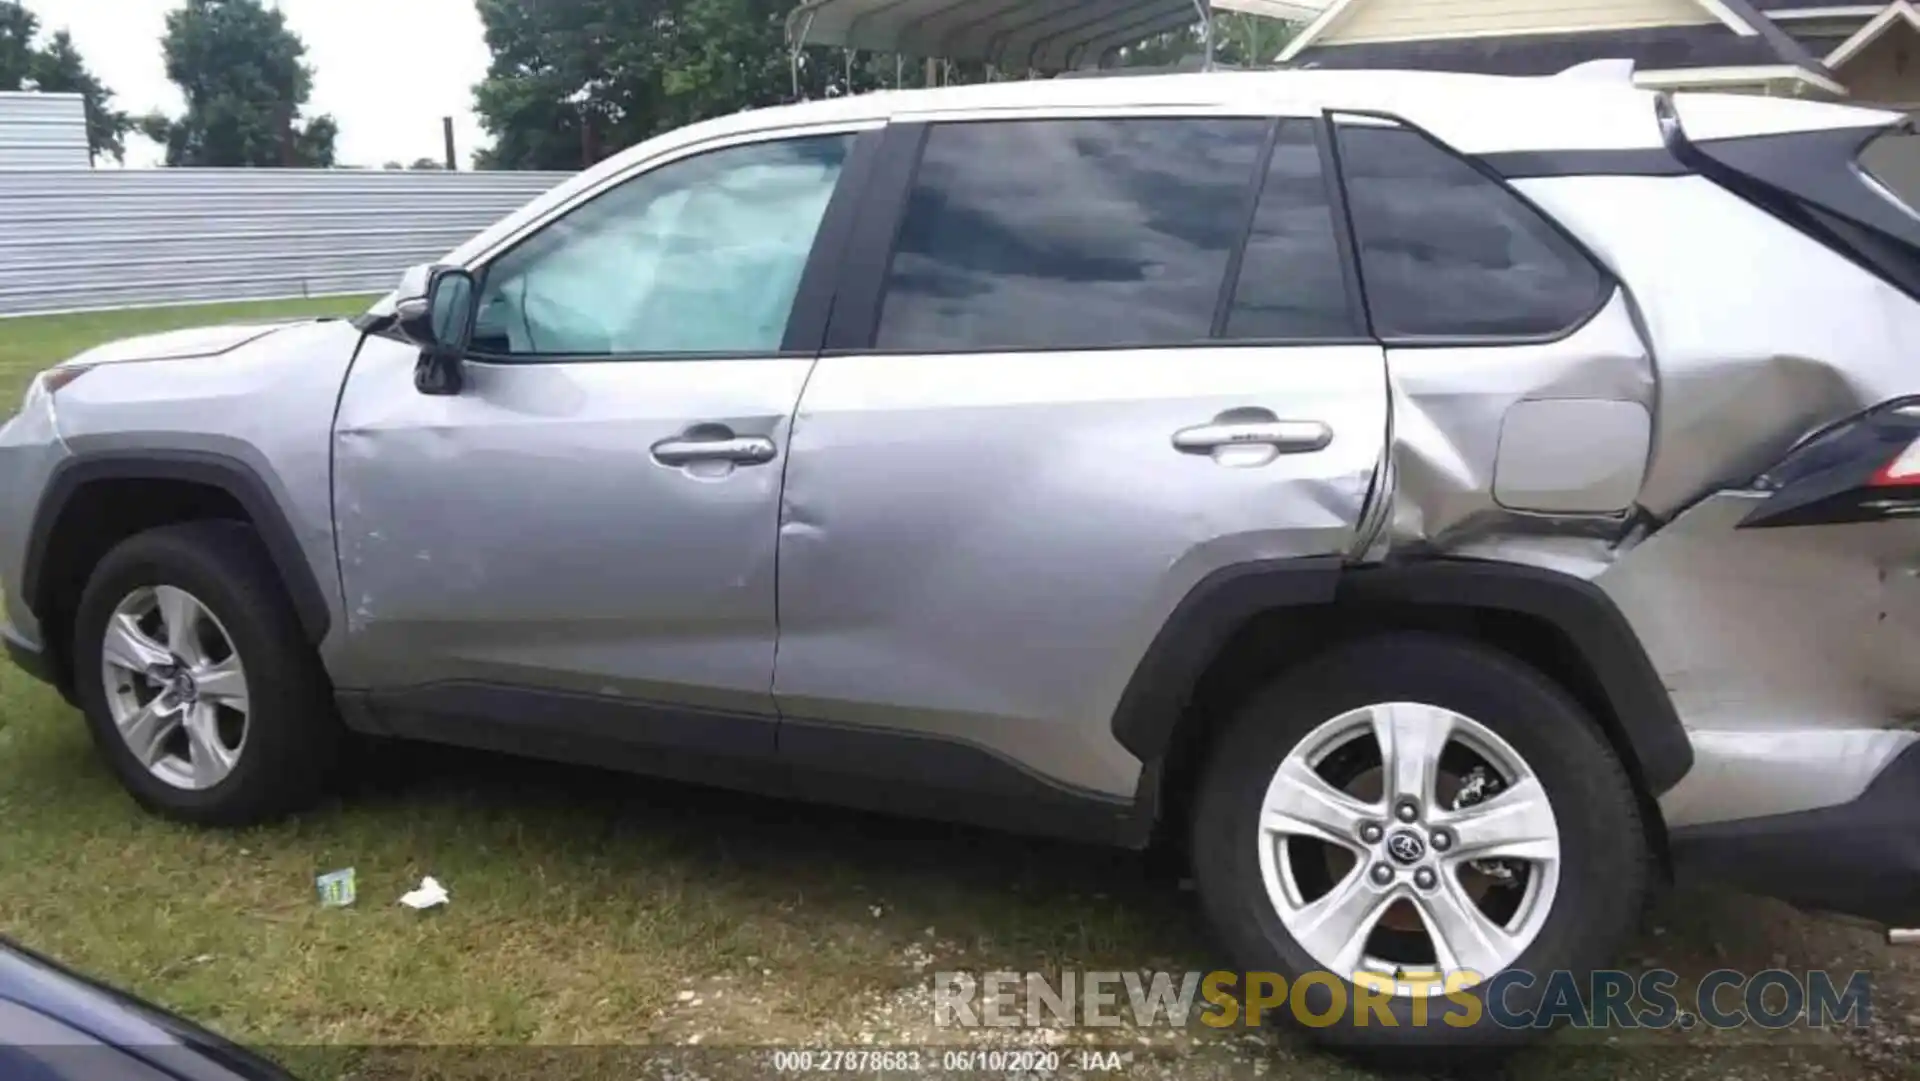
(95, 500)
(1242, 627)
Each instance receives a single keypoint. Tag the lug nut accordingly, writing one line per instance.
(1441, 840)
(1370, 832)
(1382, 874)
(1408, 811)
(1425, 878)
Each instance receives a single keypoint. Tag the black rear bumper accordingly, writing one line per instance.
(1860, 858)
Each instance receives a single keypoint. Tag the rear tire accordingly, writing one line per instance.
(1595, 871)
(256, 736)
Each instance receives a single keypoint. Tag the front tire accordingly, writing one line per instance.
(1415, 802)
(199, 687)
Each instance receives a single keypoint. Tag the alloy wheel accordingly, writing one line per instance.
(1406, 815)
(176, 688)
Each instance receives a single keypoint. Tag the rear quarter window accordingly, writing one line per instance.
(1448, 252)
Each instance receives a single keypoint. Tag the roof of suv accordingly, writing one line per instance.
(1481, 111)
(1475, 114)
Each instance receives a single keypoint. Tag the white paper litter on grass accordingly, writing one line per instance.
(430, 893)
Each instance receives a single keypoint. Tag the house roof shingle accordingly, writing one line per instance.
(1654, 48)
(1544, 54)
(1794, 5)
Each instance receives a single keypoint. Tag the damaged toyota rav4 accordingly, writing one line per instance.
(1442, 506)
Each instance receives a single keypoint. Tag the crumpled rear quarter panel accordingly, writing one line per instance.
(1760, 334)
(1789, 652)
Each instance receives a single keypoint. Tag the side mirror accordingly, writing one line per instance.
(436, 312)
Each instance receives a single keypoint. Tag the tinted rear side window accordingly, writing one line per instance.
(1447, 252)
(1291, 283)
(1064, 234)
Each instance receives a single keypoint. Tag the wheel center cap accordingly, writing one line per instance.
(182, 688)
(1406, 846)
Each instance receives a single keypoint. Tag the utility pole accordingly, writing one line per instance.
(446, 131)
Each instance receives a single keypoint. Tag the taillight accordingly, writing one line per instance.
(1863, 469)
(1903, 470)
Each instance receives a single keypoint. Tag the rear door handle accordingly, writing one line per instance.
(1285, 436)
(738, 450)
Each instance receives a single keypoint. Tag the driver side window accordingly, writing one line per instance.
(700, 256)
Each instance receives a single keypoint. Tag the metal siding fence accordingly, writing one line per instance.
(73, 240)
(43, 131)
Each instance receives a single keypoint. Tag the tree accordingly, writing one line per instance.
(426, 165)
(57, 68)
(17, 28)
(1250, 41)
(573, 81)
(1240, 40)
(243, 76)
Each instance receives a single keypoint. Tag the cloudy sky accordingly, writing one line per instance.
(387, 70)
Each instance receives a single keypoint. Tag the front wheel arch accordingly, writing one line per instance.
(283, 757)
(95, 500)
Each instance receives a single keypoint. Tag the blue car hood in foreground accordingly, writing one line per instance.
(56, 1025)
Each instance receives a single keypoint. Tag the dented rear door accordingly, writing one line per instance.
(1089, 372)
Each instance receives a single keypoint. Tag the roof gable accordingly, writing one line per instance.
(1898, 13)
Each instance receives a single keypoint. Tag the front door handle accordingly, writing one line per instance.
(1285, 436)
(733, 449)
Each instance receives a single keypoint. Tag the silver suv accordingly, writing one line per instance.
(1443, 504)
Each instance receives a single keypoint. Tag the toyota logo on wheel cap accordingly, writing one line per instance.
(1406, 847)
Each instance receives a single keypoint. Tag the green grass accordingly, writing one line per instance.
(32, 343)
(586, 904)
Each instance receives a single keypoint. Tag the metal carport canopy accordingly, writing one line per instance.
(1012, 35)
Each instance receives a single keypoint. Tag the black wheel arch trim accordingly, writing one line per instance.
(1155, 699)
(210, 468)
(1195, 632)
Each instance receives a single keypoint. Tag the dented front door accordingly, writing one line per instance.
(595, 512)
(527, 532)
